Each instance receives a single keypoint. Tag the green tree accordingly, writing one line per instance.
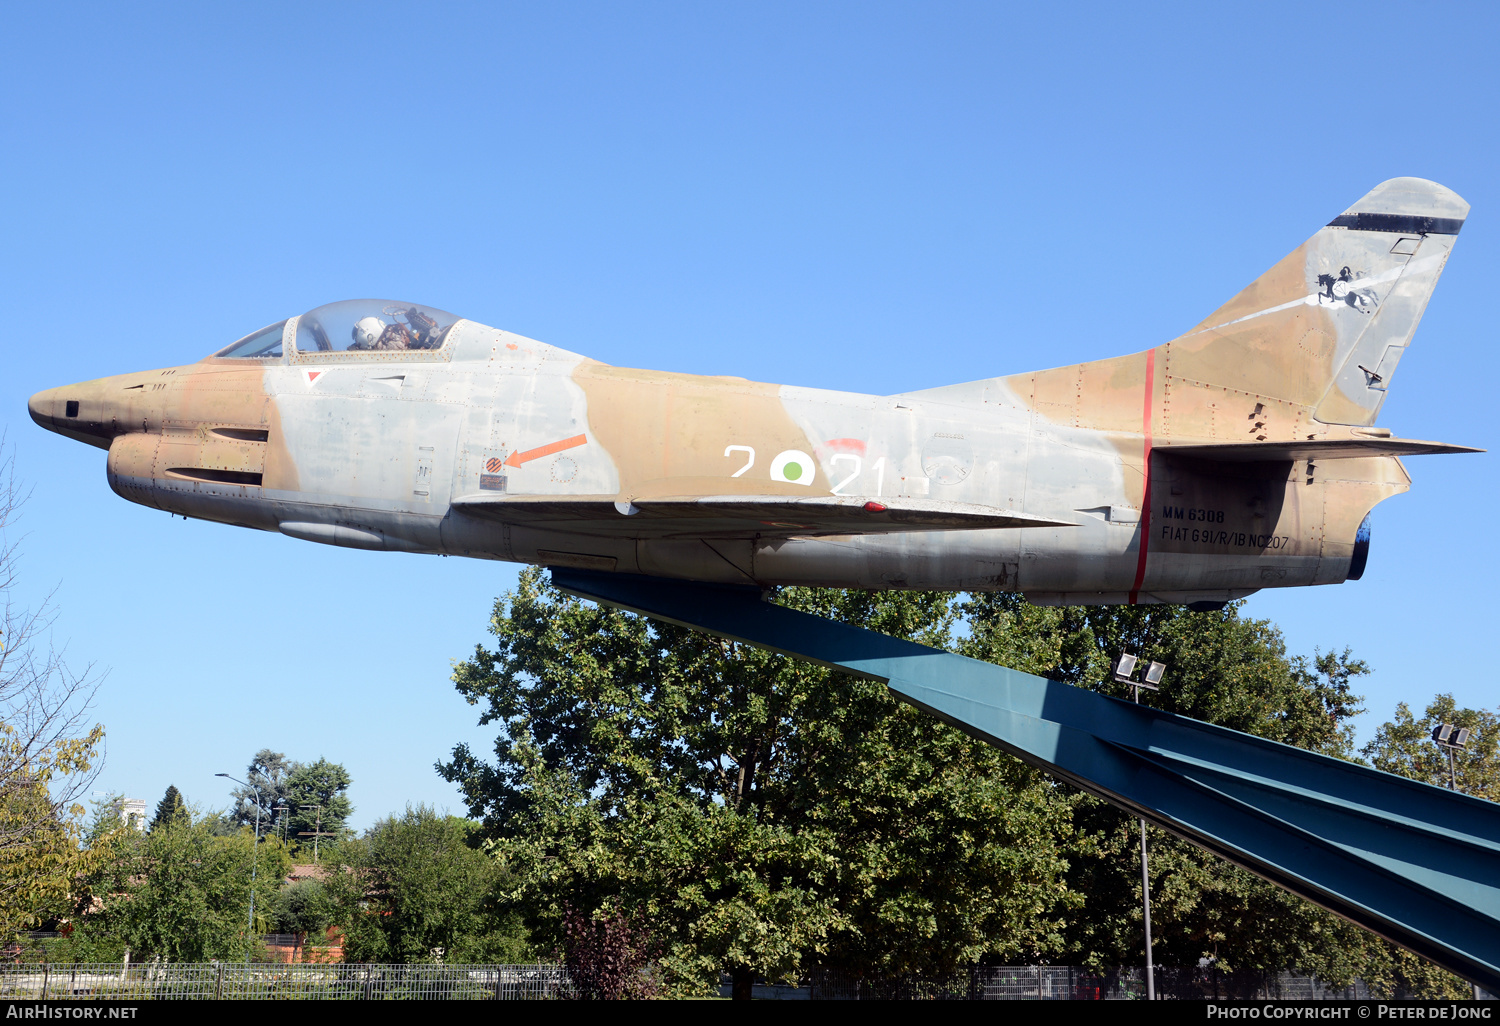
(416, 888)
(40, 854)
(49, 752)
(170, 810)
(1222, 667)
(763, 815)
(1404, 746)
(182, 892)
(108, 816)
(268, 773)
(303, 907)
(315, 793)
(1234, 671)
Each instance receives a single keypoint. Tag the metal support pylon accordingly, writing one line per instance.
(1416, 864)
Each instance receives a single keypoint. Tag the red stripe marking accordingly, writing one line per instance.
(515, 459)
(1140, 563)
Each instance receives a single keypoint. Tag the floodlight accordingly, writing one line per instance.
(1154, 673)
(1125, 666)
(1442, 732)
(1461, 738)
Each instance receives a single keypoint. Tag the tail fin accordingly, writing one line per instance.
(1326, 326)
(1312, 342)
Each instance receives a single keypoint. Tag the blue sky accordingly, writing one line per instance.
(864, 196)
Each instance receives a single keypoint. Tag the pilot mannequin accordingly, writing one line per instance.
(367, 332)
(373, 333)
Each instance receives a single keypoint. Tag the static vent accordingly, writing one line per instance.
(237, 477)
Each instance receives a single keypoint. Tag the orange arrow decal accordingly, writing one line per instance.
(515, 459)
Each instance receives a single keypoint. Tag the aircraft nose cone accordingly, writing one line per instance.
(41, 407)
(85, 412)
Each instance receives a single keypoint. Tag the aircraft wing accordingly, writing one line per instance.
(743, 515)
(1325, 449)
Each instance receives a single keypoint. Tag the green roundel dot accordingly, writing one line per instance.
(791, 471)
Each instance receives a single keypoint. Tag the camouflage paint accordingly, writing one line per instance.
(1236, 457)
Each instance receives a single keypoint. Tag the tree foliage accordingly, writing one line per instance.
(170, 810)
(764, 815)
(181, 893)
(316, 795)
(610, 956)
(416, 888)
(265, 801)
(49, 752)
(1223, 668)
(1231, 670)
(306, 907)
(40, 855)
(108, 816)
(1405, 746)
(295, 798)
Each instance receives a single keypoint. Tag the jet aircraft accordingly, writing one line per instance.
(1241, 455)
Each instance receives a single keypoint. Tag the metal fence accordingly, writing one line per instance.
(982, 983)
(1063, 983)
(172, 981)
(270, 981)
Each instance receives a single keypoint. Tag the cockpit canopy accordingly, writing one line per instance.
(258, 345)
(355, 325)
(363, 325)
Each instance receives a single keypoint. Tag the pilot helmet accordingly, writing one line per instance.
(367, 331)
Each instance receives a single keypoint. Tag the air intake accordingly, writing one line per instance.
(235, 477)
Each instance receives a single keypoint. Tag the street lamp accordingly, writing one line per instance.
(1451, 739)
(1124, 669)
(254, 859)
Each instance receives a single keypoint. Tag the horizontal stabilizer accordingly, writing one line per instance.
(742, 515)
(1312, 449)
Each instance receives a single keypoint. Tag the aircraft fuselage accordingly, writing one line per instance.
(1240, 455)
(370, 450)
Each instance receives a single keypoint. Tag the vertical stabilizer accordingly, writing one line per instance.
(1312, 342)
(1326, 326)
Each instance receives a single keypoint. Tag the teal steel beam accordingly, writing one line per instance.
(1417, 864)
